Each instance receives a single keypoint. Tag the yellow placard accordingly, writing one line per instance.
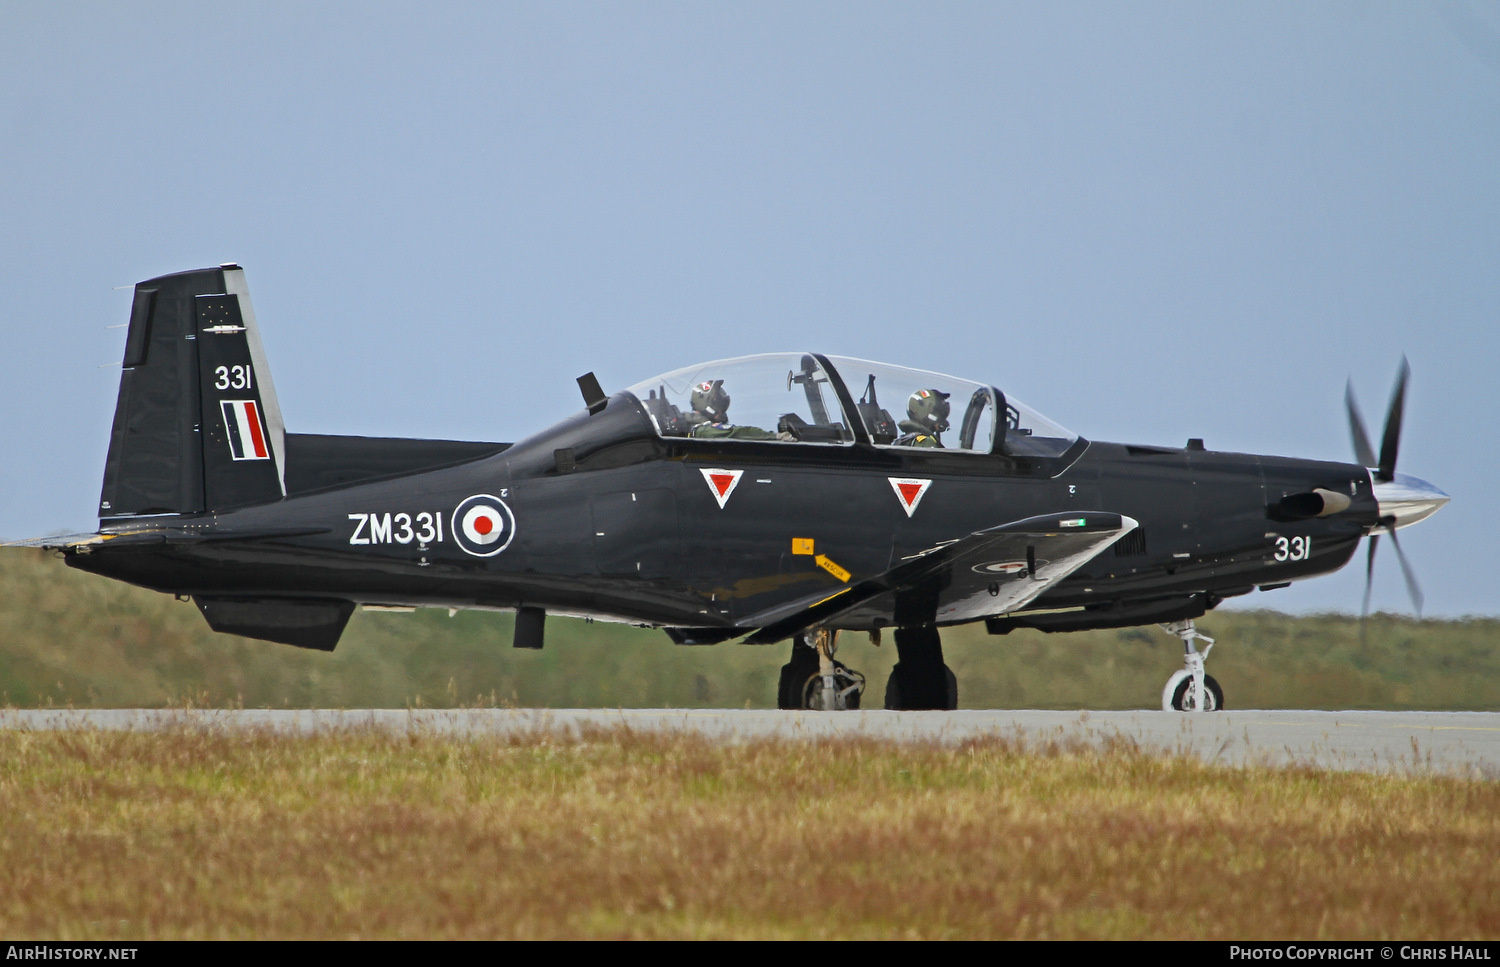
(831, 568)
(802, 545)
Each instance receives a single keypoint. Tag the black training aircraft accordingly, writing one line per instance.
(765, 497)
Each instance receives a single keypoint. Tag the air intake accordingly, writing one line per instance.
(1132, 544)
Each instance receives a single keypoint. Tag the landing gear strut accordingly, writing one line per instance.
(1191, 689)
(920, 680)
(813, 680)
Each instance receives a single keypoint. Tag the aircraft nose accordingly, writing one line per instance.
(1408, 499)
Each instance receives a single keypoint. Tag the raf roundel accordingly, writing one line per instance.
(483, 525)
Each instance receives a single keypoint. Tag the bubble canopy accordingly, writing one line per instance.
(807, 398)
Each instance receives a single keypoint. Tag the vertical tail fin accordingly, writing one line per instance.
(197, 426)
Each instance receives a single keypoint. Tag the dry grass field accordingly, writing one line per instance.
(203, 834)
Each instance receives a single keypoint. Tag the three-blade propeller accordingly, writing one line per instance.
(1384, 471)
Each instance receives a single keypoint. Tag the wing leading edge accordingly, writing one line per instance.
(989, 572)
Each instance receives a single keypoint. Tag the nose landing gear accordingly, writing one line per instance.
(1191, 689)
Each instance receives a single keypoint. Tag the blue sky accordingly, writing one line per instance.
(1149, 221)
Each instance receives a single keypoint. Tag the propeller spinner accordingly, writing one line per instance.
(1403, 499)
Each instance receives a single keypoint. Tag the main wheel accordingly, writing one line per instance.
(802, 662)
(914, 686)
(793, 683)
(813, 689)
(1182, 695)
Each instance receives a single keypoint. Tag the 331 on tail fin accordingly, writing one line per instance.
(197, 426)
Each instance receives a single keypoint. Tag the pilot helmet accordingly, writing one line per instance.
(711, 400)
(929, 408)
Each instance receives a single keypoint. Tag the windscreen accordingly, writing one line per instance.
(1030, 434)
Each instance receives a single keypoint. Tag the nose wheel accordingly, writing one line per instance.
(1191, 689)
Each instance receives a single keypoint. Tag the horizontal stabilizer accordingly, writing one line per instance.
(59, 541)
(990, 572)
(165, 530)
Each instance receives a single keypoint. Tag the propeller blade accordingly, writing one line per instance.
(1385, 472)
(1406, 572)
(1363, 452)
(1391, 441)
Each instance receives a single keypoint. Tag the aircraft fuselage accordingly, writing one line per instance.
(604, 517)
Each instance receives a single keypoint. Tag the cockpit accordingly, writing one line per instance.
(839, 401)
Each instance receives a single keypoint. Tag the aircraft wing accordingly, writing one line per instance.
(989, 572)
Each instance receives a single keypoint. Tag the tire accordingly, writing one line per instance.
(802, 662)
(914, 687)
(1182, 695)
(793, 684)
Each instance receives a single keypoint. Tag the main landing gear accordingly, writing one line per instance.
(813, 680)
(1191, 689)
(920, 680)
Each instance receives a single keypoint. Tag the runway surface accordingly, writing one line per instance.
(1452, 743)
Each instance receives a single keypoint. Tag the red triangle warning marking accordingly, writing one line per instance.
(722, 483)
(909, 491)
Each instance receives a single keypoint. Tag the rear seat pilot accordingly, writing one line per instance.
(926, 419)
